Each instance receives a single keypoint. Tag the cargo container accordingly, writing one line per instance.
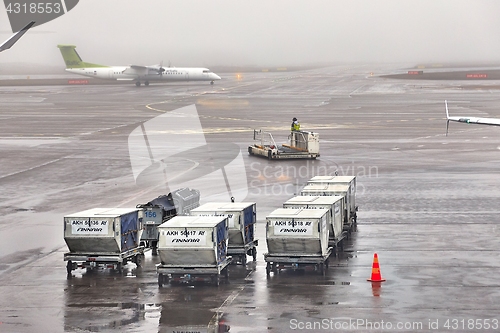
(193, 248)
(342, 180)
(163, 208)
(331, 190)
(241, 226)
(335, 206)
(297, 238)
(108, 237)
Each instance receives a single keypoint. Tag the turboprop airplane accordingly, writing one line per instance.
(469, 120)
(74, 64)
(15, 37)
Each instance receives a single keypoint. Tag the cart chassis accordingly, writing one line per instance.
(276, 262)
(192, 273)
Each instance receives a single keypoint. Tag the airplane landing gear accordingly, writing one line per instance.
(212, 82)
(137, 83)
(146, 83)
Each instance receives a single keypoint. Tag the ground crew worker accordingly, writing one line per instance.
(295, 125)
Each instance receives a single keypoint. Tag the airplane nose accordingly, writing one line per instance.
(215, 76)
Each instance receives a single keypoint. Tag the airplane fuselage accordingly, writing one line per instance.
(128, 73)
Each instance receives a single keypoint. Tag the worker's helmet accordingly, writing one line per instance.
(294, 119)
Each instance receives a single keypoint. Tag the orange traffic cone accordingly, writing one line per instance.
(376, 276)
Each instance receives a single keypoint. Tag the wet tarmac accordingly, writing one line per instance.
(428, 204)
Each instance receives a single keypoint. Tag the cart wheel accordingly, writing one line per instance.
(154, 251)
(119, 267)
(160, 280)
(250, 152)
(139, 260)
(244, 259)
(268, 269)
(69, 267)
(269, 154)
(254, 254)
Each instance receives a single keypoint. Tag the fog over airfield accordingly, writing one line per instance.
(265, 32)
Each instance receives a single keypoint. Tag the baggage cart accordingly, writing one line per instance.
(331, 190)
(341, 180)
(193, 248)
(335, 206)
(297, 239)
(241, 226)
(103, 237)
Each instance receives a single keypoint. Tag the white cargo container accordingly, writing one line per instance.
(193, 247)
(297, 237)
(331, 190)
(335, 206)
(342, 180)
(241, 226)
(102, 236)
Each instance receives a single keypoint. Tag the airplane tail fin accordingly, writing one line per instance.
(447, 116)
(72, 58)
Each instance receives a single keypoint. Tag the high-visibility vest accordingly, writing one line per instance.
(295, 126)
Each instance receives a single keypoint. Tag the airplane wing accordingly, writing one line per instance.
(140, 70)
(139, 67)
(14, 38)
(469, 120)
(158, 69)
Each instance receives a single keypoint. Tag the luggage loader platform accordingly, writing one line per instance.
(302, 144)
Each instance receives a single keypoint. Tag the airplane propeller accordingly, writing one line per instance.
(161, 70)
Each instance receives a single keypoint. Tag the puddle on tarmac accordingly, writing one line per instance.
(163, 317)
(97, 317)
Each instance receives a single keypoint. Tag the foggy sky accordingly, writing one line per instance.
(265, 32)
